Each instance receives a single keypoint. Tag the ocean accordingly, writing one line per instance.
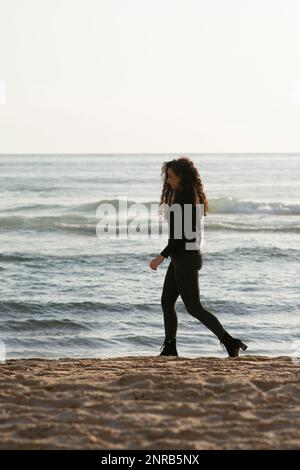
(67, 291)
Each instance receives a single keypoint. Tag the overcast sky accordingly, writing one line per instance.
(149, 76)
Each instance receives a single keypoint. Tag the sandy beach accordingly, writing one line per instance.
(250, 402)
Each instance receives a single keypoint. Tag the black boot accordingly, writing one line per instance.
(232, 344)
(169, 348)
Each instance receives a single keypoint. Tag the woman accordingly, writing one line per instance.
(182, 187)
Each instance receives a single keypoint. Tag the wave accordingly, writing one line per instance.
(92, 206)
(120, 258)
(241, 227)
(76, 258)
(24, 316)
(89, 207)
(222, 205)
(65, 223)
(252, 251)
(19, 257)
(10, 307)
(34, 207)
(33, 325)
(232, 205)
(79, 224)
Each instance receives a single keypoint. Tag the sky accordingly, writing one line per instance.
(149, 76)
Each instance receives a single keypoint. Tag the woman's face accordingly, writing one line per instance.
(173, 180)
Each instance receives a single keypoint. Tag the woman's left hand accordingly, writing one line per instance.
(156, 262)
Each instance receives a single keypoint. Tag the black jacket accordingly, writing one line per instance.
(188, 213)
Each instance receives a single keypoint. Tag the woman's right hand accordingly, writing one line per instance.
(156, 262)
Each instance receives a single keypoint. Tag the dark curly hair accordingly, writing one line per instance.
(190, 178)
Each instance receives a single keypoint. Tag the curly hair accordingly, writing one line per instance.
(190, 179)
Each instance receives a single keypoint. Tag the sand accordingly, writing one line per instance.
(150, 402)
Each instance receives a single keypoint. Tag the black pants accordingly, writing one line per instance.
(182, 278)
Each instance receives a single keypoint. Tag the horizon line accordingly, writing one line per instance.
(152, 153)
